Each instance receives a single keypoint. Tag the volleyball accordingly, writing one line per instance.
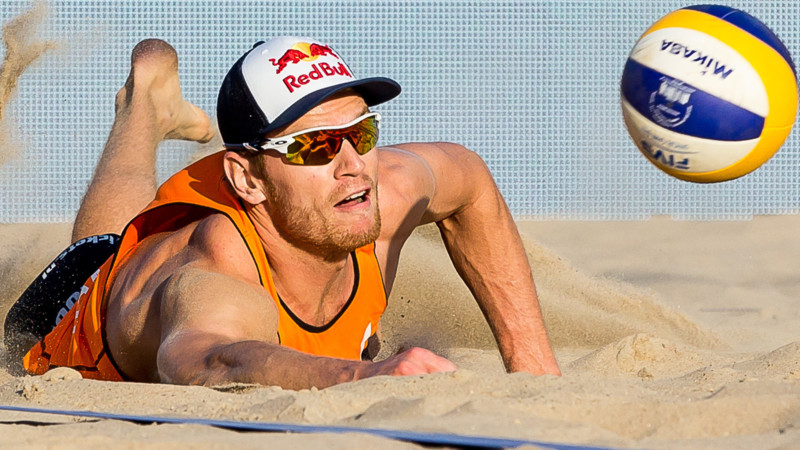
(709, 93)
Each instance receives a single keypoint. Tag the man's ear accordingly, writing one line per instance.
(240, 174)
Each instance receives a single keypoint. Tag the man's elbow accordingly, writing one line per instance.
(180, 360)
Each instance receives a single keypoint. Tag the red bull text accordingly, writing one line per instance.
(318, 70)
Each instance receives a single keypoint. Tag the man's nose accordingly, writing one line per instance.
(348, 161)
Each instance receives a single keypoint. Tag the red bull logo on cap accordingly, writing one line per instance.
(305, 52)
(301, 51)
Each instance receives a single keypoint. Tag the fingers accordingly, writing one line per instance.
(417, 361)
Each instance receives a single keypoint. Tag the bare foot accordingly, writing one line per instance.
(153, 88)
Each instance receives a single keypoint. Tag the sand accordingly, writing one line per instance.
(670, 335)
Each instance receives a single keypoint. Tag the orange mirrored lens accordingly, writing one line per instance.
(321, 146)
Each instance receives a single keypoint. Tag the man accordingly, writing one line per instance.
(271, 262)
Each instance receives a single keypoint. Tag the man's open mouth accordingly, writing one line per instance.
(358, 197)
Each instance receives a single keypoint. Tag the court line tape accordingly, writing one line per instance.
(424, 438)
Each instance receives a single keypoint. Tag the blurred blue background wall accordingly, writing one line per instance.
(533, 87)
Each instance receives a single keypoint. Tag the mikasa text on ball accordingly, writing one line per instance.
(709, 93)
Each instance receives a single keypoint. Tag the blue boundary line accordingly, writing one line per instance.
(441, 439)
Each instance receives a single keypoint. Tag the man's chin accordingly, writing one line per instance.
(349, 238)
(358, 239)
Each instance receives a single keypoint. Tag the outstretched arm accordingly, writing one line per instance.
(484, 244)
(218, 330)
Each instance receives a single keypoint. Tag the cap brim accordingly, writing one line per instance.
(374, 91)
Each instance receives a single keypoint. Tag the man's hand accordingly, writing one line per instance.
(414, 361)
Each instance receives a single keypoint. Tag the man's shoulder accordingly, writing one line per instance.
(420, 149)
(402, 165)
(435, 179)
(212, 241)
(215, 226)
(406, 184)
(414, 169)
(217, 238)
(418, 158)
(403, 173)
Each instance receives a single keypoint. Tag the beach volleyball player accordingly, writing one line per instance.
(270, 261)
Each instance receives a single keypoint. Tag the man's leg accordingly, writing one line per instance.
(149, 109)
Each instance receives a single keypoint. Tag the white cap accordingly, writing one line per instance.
(278, 81)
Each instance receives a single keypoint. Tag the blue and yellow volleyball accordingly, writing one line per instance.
(709, 93)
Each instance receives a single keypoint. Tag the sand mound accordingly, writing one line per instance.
(640, 356)
(584, 311)
(431, 307)
(780, 364)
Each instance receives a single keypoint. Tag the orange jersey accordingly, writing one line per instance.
(190, 195)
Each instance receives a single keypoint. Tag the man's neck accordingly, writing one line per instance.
(315, 286)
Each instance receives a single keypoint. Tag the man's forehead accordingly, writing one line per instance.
(334, 111)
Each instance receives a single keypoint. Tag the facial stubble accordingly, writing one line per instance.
(313, 231)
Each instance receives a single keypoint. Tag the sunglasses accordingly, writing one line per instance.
(317, 146)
